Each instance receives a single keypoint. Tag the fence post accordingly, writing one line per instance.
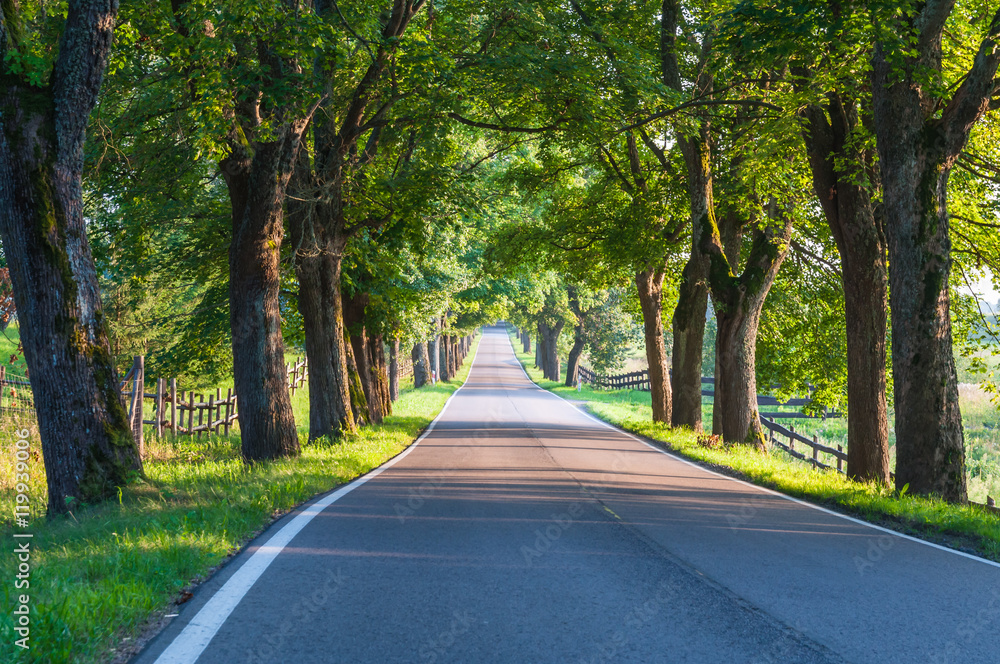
(190, 411)
(840, 462)
(173, 407)
(815, 450)
(201, 411)
(138, 397)
(160, 389)
(229, 411)
(791, 440)
(211, 413)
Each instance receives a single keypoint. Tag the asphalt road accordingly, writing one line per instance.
(521, 530)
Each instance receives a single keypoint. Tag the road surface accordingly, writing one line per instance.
(522, 530)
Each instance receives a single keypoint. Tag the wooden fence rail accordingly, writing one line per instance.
(639, 380)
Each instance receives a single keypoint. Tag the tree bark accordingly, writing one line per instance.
(445, 359)
(354, 321)
(394, 369)
(380, 374)
(649, 283)
(453, 355)
(256, 184)
(850, 213)
(421, 364)
(738, 302)
(540, 348)
(87, 443)
(919, 138)
(526, 341)
(689, 334)
(318, 266)
(435, 355)
(573, 361)
(551, 367)
(359, 402)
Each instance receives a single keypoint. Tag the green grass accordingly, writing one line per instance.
(963, 527)
(100, 576)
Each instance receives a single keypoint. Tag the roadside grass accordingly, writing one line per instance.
(104, 574)
(966, 528)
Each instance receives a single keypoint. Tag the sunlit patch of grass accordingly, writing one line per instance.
(966, 527)
(100, 576)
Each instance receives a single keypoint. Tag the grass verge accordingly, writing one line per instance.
(962, 527)
(102, 576)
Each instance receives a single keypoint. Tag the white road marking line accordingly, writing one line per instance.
(744, 482)
(188, 646)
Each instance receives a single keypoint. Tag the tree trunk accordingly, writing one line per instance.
(444, 361)
(318, 265)
(551, 369)
(689, 335)
(573, 361)
(738, 302)
(930, 446)
(380, 374)
(920, 136)
(354, 321)
(539, 348)
(850, 213)
(256, 187)
(87, 444)
(421, 364)
(649, 283)
(526, 341)
(455, 361)
(435, 356)
(736, 376)
(359, 402)
(394, 369)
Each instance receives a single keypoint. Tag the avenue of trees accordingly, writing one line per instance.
(209, 183)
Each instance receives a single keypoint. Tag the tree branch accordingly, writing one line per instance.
(347, 26)
(506, 128)
(702, 102)
(972, 99)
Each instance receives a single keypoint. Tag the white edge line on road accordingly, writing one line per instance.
(744, 482)
(196, 635)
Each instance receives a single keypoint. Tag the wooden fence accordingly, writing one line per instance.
(16, 396)
(639, 380)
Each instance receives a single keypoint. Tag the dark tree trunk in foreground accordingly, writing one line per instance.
(850, 213)
(87, 444)
(738, 302)
(394, 369)
(919, 139)
(421, 364)
(649, 283)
